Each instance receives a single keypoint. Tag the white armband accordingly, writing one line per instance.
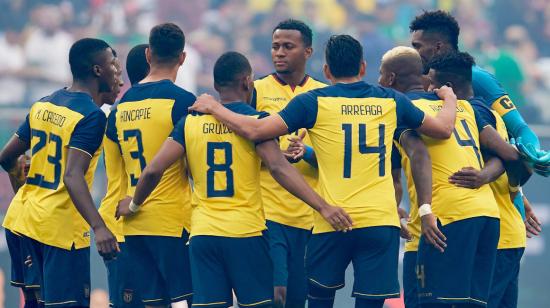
(133, 207)
(424, 209)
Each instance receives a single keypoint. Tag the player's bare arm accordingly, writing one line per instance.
(533, 225)
(9, 161)
(247, 127)
(74, 178)
(168, 154)
(442, 125)
(403, 215)
(469, 177)
(294, 182)
(421, 168)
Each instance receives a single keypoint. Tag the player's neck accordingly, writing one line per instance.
(293, 79)
(90, 88)
(464, 93)
(161, 73)
(409, 83)
(411, 88)
(228, 97)
(346, 79)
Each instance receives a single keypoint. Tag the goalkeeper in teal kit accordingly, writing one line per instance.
(436, 32)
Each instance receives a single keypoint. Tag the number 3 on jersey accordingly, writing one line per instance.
(215, 166)
(363, 147)
(136, 133)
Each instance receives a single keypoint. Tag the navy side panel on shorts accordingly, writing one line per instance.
(410, 290)
(504, 289)
(121, 279)
(17, 257)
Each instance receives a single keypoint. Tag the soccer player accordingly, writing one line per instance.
(64, 132)
(436, 32)
(227, 248)
(122, 292)
(351, 125)
(155, 237)
(472, 230)
(289, 220)
(401, 70)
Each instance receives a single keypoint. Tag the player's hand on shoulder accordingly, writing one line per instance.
(337, 218)
(431, 232)
(403, 219)
(468, 178)
(123, 208)
(445, 92)
(296, 148)
(106, 243)
(205, 103)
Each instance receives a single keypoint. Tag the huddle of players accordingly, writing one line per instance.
(153, 146)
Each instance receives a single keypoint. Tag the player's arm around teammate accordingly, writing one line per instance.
(271, 155)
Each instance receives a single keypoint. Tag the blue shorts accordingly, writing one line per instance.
(162, 273)
(17, 259)
(121, 279)
(463, 273)
(410, 290)
(504, 289)
(374, 252)
(287, 247)
(220, 264)
(63, 276)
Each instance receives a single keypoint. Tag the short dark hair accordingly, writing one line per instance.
(229, 67)
(453, 66)
(166, 42)
(298, 25)
(82, 56)
(343, 55)
(438, 22)
(136, 63)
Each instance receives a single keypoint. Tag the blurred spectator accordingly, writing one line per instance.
(12, 62)
(47, 53)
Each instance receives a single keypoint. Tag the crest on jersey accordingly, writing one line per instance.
(128, 296)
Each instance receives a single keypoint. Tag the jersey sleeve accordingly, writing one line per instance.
(484, 117)
(517, 127)
(88, 133)
(254, 99)
(111, 131)
(181, 105)
(24, 131)
(301, 112)
(408, 115)
(485, 85)
(178, 134)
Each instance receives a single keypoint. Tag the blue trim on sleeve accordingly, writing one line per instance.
(24, 131)
(88, 133)
(483, 114)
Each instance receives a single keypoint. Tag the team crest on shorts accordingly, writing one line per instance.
(128, 296)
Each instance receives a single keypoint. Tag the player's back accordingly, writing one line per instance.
(56, 123)
(226, 176)
(144, 118)
(351, 127)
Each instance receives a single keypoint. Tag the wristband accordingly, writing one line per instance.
(424, 209)
(308, 155)
(513, 189)
(133, 207)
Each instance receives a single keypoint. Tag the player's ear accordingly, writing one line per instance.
(182, 57)
(327, 73)
(96, 70)
(309, 52)
(391, 80)
(248, 84)
(148, 55)
(363, 69)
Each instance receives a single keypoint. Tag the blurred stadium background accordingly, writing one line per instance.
(511, 38)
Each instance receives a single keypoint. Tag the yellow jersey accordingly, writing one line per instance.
(449, 202)
(116, 187)
(271, 95)
(14, 209)
(226, 176)
(139, 124)
(351, 127)
(54, 124)
(512, 227)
